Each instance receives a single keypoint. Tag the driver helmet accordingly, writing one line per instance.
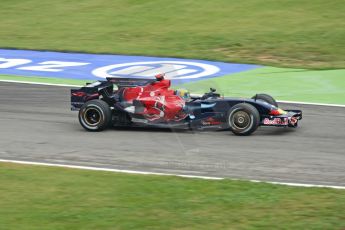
(160, 76)
(182, 93)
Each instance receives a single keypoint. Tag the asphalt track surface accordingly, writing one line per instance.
(37, 125)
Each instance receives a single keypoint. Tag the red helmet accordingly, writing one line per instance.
(160, 76)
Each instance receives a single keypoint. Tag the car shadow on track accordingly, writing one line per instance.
(151, 129)
(262, 131)
(275, 131)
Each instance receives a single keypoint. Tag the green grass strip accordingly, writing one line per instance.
(317, 86)
(322, 86)
(47, 80)
(294, 33)
(37, 197)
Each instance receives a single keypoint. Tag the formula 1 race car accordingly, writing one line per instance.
(151, 103)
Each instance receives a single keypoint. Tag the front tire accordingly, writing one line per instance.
(95, 115)
(243, 119)
(266, 98)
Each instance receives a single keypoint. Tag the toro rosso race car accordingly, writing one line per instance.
(151, 103)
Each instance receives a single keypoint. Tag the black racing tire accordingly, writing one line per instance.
(95, 115)
(266, 98)
(243, 119)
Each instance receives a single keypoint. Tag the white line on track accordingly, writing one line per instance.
(40, 83)
(163, 174)
(66, 85)
(312, 103)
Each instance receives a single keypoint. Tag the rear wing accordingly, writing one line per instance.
(104, 90)
(96, 90)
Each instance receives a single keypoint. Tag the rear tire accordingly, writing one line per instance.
(95, 115)
(243, 119)
(266, 98)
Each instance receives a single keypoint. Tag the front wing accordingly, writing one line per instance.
(290, 119)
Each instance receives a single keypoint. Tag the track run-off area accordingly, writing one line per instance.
(37, 126)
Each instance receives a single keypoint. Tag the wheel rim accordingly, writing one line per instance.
(92, 116)
(241, 120)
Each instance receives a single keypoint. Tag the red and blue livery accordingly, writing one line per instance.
(152, 103)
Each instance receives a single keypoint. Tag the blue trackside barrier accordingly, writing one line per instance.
(98, 66)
